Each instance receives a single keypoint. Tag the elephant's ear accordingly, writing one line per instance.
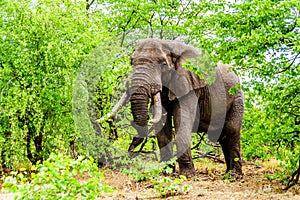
(179, 53)
(182, 82)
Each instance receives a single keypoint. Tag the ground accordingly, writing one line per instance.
(208, 184)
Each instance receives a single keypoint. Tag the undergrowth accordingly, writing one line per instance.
(59, 177)
(154, 172)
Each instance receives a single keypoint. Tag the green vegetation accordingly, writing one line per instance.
(63, 65)
(164, 185)
(59, 177)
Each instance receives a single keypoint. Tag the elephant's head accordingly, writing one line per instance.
(158, 63)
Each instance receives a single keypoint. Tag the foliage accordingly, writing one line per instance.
(134, 20)
(167, 186)
(59, 177)
(97, 87)
(152, 171)
(279, 132)
(109, 90)
(42, 44)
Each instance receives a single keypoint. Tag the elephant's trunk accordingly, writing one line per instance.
(139, 108)
(145, 83)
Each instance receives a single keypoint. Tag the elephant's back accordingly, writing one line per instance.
(228, 76)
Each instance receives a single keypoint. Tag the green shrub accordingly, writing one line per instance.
(59, 177)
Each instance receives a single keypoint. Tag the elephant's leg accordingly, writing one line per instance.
(230, 139)
(224, 145)
(184, 117)
(164, 137)
(231, 151)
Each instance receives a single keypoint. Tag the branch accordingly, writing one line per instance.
(294, 179)
(124, 28)
(151, 27)
(197, 145)
(292, 132)
(141, 151)
(162, 24)
(289, 66)
(88, 5)
(254, 67)
(183, 11)
(294, 114)
(136, 141)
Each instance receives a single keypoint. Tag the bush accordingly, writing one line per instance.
(59, 177)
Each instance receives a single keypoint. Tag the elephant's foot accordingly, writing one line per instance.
(236, 170)
(187, 169)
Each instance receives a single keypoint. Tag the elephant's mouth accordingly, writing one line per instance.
(157, 106)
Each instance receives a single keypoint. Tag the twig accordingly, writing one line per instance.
(208, 155)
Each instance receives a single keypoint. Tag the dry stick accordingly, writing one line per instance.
(153, 149)
(205, 155)
(209, 156)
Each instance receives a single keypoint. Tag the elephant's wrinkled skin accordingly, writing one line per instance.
(187, 100)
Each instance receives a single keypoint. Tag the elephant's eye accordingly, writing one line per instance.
(163, 64)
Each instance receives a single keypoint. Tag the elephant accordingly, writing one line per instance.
(182, 103)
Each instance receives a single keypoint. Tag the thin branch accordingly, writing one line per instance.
(183, 11)
(289, 66)
(162, 24)
(208, 155)
(124, 27)
(198, 144)
(88, 5)
(151, 26)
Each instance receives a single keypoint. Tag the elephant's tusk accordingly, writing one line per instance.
(119, 105)
(157, 109)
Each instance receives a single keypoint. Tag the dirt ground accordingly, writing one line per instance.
(208, 184)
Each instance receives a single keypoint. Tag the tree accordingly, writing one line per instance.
(42, 45)
(133, 20)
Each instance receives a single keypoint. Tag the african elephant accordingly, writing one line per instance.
(182, 99)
